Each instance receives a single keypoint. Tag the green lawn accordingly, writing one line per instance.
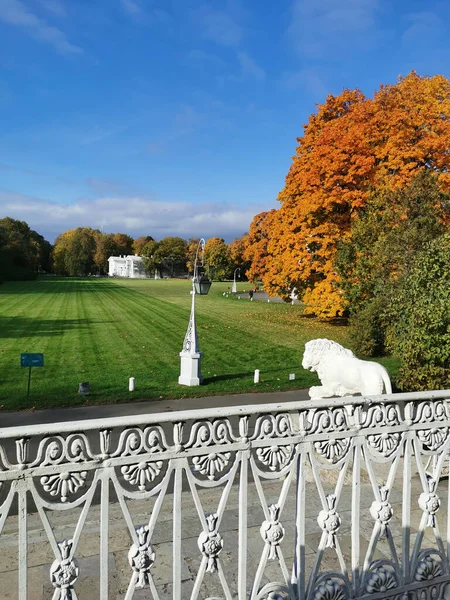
(104, 331)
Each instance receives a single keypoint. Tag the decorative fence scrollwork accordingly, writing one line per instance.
(330, 500)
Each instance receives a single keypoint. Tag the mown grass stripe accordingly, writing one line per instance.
(104, 331)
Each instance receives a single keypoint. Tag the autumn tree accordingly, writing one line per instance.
(237, 251)
(255, 251)
(123, 243)
(140, 243)
(218, 258)
(60, 250)
(192, 253)
(351, 146)
(105, 246)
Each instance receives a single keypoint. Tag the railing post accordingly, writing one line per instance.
(356, 509)
(23, 539)
(104, 533)
(177, 556)
(243, 489)
(299, 567)
(406, 508)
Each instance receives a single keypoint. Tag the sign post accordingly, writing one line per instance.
(31, 360)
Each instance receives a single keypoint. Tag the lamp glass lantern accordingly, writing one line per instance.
(201, 284)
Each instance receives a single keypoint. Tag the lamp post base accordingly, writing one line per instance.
(190, 369)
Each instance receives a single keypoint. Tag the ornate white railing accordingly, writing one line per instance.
(339, 499)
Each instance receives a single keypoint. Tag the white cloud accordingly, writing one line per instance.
(54, 7)
(200, 57)
(319, 28)
(136, 215)
(308, 79)
(250, 68)
(424, 26)
(132, 8)
(15, 13)
(219, 27)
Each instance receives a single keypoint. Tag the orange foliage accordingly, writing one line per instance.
(237, 249)
(256, 245)
(351, 145)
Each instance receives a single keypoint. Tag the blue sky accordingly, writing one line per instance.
(180, 117)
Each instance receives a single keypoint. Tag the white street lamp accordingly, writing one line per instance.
(234, 288)
(190, 355)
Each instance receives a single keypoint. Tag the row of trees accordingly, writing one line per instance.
(85, 251)
(363, 227)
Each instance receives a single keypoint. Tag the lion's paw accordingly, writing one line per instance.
(315, 392)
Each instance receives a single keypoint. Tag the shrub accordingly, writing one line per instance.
(366, 329)
(419, 319)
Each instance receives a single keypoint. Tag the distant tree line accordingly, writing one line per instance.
(85, 251)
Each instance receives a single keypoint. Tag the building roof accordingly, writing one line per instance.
(132, 257)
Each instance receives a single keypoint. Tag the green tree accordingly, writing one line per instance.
(385, 239)
(148, 251)
(418, 316)
(105, 246)
(23, 251)
(218, 258)
(166, 256)
(74, 252)
(79, 257)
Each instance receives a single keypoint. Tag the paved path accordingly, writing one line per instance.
(57, 415)
(262, 297)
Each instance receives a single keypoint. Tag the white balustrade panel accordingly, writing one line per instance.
(319, 500)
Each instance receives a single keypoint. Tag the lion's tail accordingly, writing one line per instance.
(386, 381)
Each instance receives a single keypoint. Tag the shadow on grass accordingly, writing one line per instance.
(337, 321)
(21, 327)
(56, 285)
(207, 380)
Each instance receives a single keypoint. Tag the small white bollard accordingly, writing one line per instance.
(291, 376)
(131, 382)
(256, 376)
(268, 299)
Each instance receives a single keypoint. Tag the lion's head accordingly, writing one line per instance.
(315, 350)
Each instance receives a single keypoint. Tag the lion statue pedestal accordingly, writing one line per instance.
(341, 373)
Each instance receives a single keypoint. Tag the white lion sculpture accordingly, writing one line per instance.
(341, 373)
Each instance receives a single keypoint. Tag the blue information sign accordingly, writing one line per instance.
(31, 360)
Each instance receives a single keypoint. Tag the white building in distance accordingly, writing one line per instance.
(126, 266)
